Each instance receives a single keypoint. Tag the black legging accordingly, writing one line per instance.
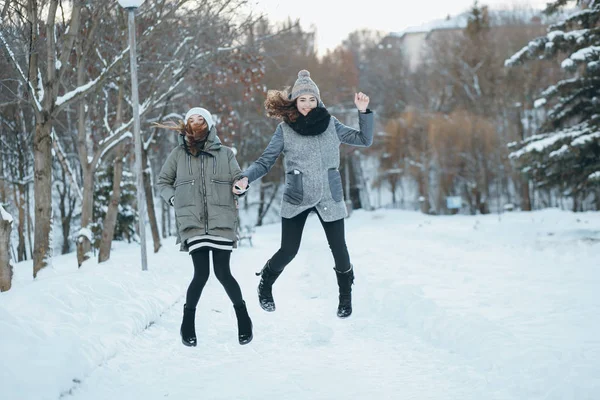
(222, 272)
(291, 235)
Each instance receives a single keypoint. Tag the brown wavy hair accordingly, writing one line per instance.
(191, 137)
(279, 106)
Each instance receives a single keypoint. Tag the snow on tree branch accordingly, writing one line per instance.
(38, 105)
(108, 144)
(61, 101)
(5, 215)
(589, 16)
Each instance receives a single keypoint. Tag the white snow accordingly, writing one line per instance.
(560, 152)
(87, 233)
(60, 100)
(69, 95)
(594, 176)
(539, 102)
(5, 215)
(581, 55)
(578, 135)
(456, 307)
(586, 139)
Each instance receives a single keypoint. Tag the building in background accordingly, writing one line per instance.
(412, 42)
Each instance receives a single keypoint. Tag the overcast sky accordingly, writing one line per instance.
(335, 19)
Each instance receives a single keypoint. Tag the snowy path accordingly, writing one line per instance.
(444, 309)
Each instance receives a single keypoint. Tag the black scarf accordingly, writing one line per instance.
(197, 146)
(314, 123)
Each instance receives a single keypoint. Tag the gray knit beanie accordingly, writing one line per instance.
(304, 85)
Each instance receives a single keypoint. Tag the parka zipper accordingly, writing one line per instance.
(189, 164)
(186, 182)
(204, 193)
(214, 165)
(221, 182)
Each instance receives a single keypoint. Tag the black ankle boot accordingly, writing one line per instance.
(265, 287)
(188, 326)
(244, 323)
(345, 281)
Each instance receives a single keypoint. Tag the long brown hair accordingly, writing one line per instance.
(178, 126)
(279, 106)
(185, 129)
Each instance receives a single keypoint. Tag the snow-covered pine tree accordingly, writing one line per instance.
(565, 154)
(127, 218)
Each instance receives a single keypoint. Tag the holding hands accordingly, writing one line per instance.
(240, 186)
(362, 101)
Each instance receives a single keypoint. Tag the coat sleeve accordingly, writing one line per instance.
(234, 167)
(362, 137)
(265, 162)
(167, 176)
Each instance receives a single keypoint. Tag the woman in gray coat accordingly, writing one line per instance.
(196, 180)
(310, 138)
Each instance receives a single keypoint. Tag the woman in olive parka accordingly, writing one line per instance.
(196, 180)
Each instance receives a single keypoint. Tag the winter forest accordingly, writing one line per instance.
(499, 111)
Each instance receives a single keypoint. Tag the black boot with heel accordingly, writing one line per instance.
(188, 327)
(265, 287)
(244, 324)
(345, 281)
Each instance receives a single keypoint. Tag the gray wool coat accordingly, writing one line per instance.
(312, 178)
(201, 186)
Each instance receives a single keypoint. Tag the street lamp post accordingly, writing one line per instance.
(130, 6)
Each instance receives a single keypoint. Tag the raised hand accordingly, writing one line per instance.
(362, 101)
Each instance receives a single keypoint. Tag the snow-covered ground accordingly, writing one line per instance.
(456, 307)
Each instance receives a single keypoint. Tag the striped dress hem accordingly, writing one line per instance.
(209, 241)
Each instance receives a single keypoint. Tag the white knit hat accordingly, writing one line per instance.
(204, 113)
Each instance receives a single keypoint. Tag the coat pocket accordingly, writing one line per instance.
(184, 192)
(335, 184)
(293, 192)
(222, 189)
(222, 218)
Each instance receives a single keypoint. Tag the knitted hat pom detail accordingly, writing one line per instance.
(304, 85)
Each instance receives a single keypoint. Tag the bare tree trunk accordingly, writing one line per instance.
(269, 203)
(469, 197)
(392, 182)
(151, 212)
(525, 197)
(110, 220)
(84, 245)
(261, 205)
(19, 203)
(170, 222)
(42, 148)
(29, 221)
(66, 214)
(65, 225)
(6, 270)
(423, 192)
(163, 219)
(2, 181)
